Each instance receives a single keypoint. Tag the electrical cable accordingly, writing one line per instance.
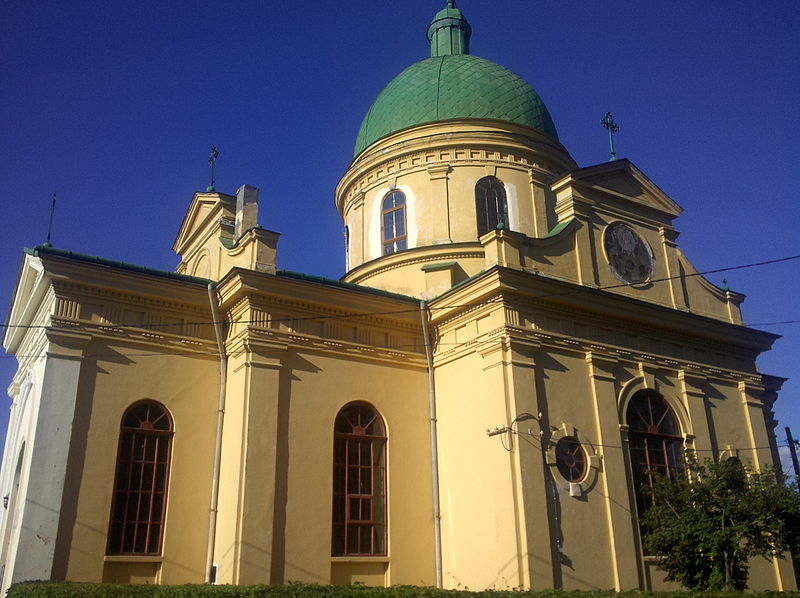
(396, 347)
(443, 307)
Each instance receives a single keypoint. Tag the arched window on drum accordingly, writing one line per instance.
(491, 206)
(393, 223)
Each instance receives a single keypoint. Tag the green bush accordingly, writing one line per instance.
(300, 590)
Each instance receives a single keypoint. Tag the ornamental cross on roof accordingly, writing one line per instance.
(612, 127)
(212, 160)
(50, 224)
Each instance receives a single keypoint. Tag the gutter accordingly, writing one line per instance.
(437, 513)
(210, 575)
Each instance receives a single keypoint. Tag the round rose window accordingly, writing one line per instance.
(628, 255)
(571, 459)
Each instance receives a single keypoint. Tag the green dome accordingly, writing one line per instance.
(453, 86)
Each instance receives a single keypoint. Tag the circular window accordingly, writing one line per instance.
(630, 258)
(571, 459)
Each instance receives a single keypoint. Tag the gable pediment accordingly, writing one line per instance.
(622, 183)
(203, 214)
(32, 284)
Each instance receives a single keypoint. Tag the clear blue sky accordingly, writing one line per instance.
(113, 105)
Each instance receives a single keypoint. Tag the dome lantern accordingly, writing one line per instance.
(449, 32)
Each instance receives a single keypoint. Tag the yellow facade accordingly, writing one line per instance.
(536, 336)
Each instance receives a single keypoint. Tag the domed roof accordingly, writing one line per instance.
(453, 86)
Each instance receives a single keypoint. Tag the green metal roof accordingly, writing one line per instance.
(344, 285)
(449, 87)
(449, 32)
(452, 84)
(94, 259)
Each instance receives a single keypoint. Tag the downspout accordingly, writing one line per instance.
(223, 373)
(437, 513)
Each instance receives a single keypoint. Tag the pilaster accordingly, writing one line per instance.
(536, 548)
(619, 504)
(438, 207)
(49, 452)
(753, 407)
(246, 540)
(695, 400)
(538, 525)
(539, 199)
(358, 234)
(674, 272)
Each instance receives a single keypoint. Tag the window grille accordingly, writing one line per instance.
(571, 460)
(490, 205)
(359, 482)
(656, 443)
(140, 488)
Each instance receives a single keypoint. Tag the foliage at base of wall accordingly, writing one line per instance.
(298, 590)
(710, 523)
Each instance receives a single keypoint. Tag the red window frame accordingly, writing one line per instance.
(138, 507)
(571, 460)
(655, 441)
(393, 217)
(359, 482)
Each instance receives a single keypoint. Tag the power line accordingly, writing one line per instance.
(538, 438)
(415, 310)
(395, 347)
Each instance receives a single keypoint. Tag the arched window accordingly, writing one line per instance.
(140, 486)
(393, 222)
(490, 205)
(359, 482)
(656, 443)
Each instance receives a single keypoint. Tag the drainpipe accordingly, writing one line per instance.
(223, 373)
(437, 513)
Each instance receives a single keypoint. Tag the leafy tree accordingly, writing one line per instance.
(708, 524)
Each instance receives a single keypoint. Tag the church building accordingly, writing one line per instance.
(516, 347)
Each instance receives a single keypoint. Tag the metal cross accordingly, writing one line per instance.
(612, 127)
(50, 225)
(212, 161)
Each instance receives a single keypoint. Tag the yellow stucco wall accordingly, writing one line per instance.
(110, 383)
(534, 339)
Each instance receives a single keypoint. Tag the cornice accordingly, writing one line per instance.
(416, 255)
(279, 340)
(458, 143)
(630, 328)
(605, 353)
(68, 288)
(160, 341)
(636, 311)
(245, 289)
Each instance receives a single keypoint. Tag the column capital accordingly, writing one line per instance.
(66, 344)
(439, 171)
(601, 366)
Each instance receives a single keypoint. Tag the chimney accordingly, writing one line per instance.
(246, 210)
